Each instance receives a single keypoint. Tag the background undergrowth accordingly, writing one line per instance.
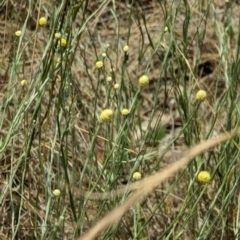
(56, 79)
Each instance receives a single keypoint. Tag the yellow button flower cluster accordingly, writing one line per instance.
(201, 95)
(57, 35)
(116, 85)
(137, 176)
(99, 64)
(125, 112)
(42, 21)
(204, 177)
(106, 115)
(18, 33)
(125, 48)
(62, 42)
(143, 81)
(23, 82)
(56, 192)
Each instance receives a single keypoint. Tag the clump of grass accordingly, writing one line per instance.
(97, 92)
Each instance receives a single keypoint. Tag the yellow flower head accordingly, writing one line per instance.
(56, 192)
(57, 35)
(125, 112)
(201, 95)
(143, 81)
(42, 21)
(137, 176)
(99, 64)
(125, 48)
(23, 83)
(109, 79)
(104, 55)
(18, 33)
(204, 177)
(106, 115)
(116, 85)
(62, 42)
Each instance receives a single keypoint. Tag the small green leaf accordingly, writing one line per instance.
(159, 133)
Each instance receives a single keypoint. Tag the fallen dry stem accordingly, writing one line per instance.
(149, 183)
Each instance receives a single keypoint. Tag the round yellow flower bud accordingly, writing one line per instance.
(99, 64)
(104, 55)
(42, 21)
(57, 35)
(106, 115)
(109, 79)
(125, 112)
(18, 33)
(137, 176)
(125, 48)
(62, 42)
(23, 82)
(56, 192)
(204, 177)
(143, 81)
(201, 95)
(116, 85)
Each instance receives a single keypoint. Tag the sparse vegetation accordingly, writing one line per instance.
(118, 105)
